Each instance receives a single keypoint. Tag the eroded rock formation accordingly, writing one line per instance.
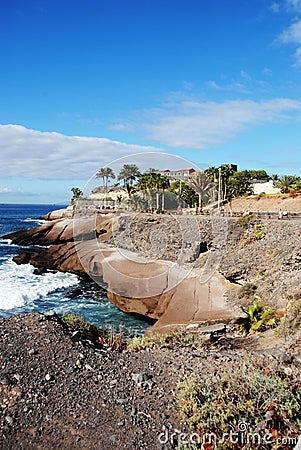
(167, 288)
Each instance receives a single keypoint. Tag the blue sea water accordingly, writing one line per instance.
(23, 292)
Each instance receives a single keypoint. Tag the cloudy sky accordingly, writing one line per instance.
(85, 83)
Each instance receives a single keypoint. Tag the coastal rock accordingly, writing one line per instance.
(65, 213)
(152, 278)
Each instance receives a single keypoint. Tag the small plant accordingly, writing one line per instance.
(257, 318)
(178, 337)
(263, 273)
(244, 395)
(256, 234)
(102, 337)
(246, 221)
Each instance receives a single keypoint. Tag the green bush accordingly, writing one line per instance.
(100, 336)
(179, 337)
(256, 234)
(218, 404)
(257, 318)
(246, 221)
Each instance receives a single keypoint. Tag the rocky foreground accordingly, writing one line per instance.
(58, 391)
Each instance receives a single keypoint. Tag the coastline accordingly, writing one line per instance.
(59, 390)
(100, 245)
(135, 284)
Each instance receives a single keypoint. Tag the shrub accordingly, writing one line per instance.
(246, 221)
(178, 337)
(100, 336)
(256, 234)
(245, 395)
(257, 318)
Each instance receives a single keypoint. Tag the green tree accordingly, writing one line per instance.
(275, 178)
(184, 192)
(286, 183)
(163, 183)
(226, 174)
(77, 193)
(201, 184)
(212, 173)
(152, 183)
(240, 184)
(105, 173)
(137, 202)
(259, 175)
(129, 173)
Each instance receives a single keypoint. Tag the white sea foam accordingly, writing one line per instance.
(6, 241)
(38, 221)
(19, 286)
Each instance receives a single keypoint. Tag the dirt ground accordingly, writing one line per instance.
(58, 391)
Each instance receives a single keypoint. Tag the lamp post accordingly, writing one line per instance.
(219, 190)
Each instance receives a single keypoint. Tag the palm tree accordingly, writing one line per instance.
(201, 184)
(275, 178)
(150, 182)
(105, 173)
(77, 193)
(129, 173)
(136, 202)
(163, 183)
(212, 173)
(286, 183)
(146, 184)
(226, 173)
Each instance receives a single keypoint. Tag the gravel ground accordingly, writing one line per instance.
(57, 392)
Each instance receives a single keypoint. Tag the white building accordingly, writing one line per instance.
(265, 187)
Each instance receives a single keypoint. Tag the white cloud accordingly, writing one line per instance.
(5, 190)
(294, 4)
(200, 125)
(213, 85)
(292, 34)
(298, 57)
(120, 127)
(48, 155)
(275, 7)
(11, 191)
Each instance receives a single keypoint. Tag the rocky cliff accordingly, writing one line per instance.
(145, 261)
(171, 268)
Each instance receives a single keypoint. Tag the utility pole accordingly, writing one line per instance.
(219, 190)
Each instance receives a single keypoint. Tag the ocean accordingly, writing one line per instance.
(23, 292)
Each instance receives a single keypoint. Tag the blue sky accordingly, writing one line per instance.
(85, 83)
